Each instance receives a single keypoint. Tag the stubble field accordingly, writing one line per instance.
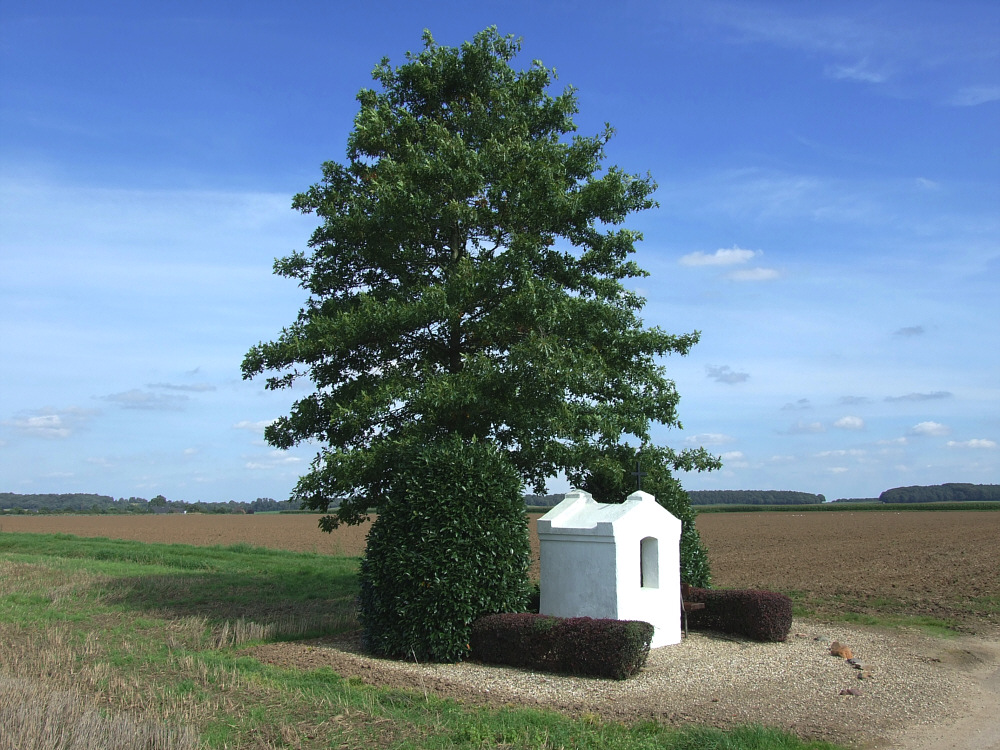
(942, 566)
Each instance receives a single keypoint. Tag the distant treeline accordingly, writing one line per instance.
(544, 501)
(712, 497)
(79, 502)
(753, 497)
(943, 493)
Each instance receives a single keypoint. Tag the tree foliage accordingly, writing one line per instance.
(467, 279)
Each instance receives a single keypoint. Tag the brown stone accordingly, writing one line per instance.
(837, 649)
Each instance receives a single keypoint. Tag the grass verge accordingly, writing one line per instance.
(119, 644)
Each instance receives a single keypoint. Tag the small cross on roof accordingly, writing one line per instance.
(638, 474)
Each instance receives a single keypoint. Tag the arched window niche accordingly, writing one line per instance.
(649, 561)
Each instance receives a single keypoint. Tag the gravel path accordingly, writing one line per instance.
(911, 681)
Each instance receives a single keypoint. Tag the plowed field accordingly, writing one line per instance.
(944, 565)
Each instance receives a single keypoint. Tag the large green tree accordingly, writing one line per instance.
(467, 279)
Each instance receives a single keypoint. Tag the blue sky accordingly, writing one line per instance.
(829, 189)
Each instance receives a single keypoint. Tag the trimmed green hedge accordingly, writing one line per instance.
(613, 649)
(450, 544)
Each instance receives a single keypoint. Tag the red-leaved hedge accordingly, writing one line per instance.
(758, 615)
(573, 645)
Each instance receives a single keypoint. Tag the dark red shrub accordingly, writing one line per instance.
(758, 615)
(575, 645)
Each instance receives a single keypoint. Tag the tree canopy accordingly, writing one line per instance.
(467, 279)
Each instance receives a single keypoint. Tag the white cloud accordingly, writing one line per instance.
(838, 470)
(840, 453)
(273, 461)
(734, 460)
(726, 374)
(49, 423)
(909, 331)
(971, 96)
(709, 438)
(974, 443)
(721, 257)
(934, 429)
(893, 441)
(753, 274)
(45, 425)
(850, 423)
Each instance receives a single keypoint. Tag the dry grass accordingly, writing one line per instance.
(37, 717)
(94, 677)
(233, 633)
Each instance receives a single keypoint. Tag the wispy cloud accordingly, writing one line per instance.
(913, 54)
(50, 423)
(806, 428)
(909, 331)
(722, 257)
(800, 405)
(974, 443)
(824, 33)
(853, 400)
(194, 388)
(753, 274)
(934, 396)
(932, 429)
(859, 71)
(138, 399)
(971, 96)
(252, 426)
(726, 374)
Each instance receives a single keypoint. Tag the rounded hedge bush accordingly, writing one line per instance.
(450, 544)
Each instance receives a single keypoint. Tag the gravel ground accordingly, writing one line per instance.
(710, 679)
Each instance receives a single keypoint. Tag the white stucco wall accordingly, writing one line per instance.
(591, 563)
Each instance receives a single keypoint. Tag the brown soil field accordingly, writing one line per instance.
(938, 564)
